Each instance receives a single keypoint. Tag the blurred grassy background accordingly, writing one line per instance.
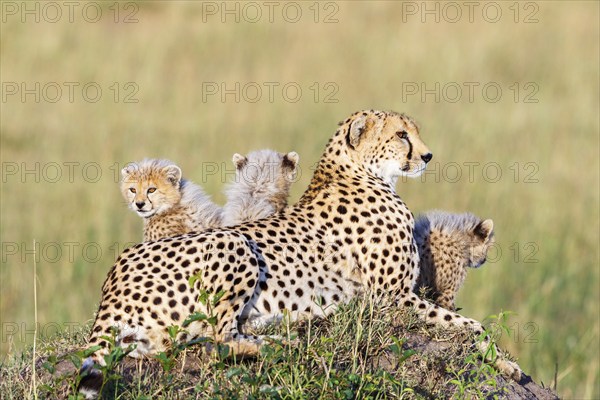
(545, 203)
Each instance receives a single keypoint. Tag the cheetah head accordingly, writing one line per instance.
(151, 186)
(387, 143)
(266, 173)
(480, 240)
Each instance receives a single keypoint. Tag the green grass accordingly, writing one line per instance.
(369, 54)
(387, 354)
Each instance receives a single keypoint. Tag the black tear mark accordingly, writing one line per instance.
(410, 149)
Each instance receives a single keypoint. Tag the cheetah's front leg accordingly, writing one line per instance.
(446, 300)
(434, 314)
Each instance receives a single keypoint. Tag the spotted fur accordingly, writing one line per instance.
(349, 233)
(448, 244)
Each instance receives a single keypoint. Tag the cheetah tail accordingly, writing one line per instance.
(91, 381)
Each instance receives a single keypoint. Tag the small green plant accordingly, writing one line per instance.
(76, 358)
(477, 378)
(497, 324)
(115, 355)
(474, 379)
(50, 366)
(209, 300)
(168, 359)
(396, 348)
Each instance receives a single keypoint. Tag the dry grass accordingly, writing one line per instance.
(366, 349)
(370, 55)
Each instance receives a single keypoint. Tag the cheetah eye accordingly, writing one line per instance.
(402, 134)
(152, 190)
(132, 190)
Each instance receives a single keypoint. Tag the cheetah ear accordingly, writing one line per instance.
(290, 160)
(357, 129)
(239, 160)
(128, 170)
(484, 229)
(173, 174)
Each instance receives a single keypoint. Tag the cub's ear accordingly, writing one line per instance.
(239, 160)
(128, 170)
(290, 160)
(357, 129)
(484, 229)
(173, 174)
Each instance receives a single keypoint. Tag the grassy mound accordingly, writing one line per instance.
(366, 349)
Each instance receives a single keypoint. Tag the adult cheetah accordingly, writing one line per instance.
(349, 233)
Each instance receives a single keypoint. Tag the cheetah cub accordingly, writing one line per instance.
(448, 244)
(261, 186)
(169, 204)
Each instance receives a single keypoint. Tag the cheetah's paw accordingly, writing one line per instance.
(509, 368)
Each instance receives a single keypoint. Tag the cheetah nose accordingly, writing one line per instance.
(139, 204)
(427, 157)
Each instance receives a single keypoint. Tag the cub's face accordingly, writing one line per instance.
(388, 144)
(151, 189)
(480, 239)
